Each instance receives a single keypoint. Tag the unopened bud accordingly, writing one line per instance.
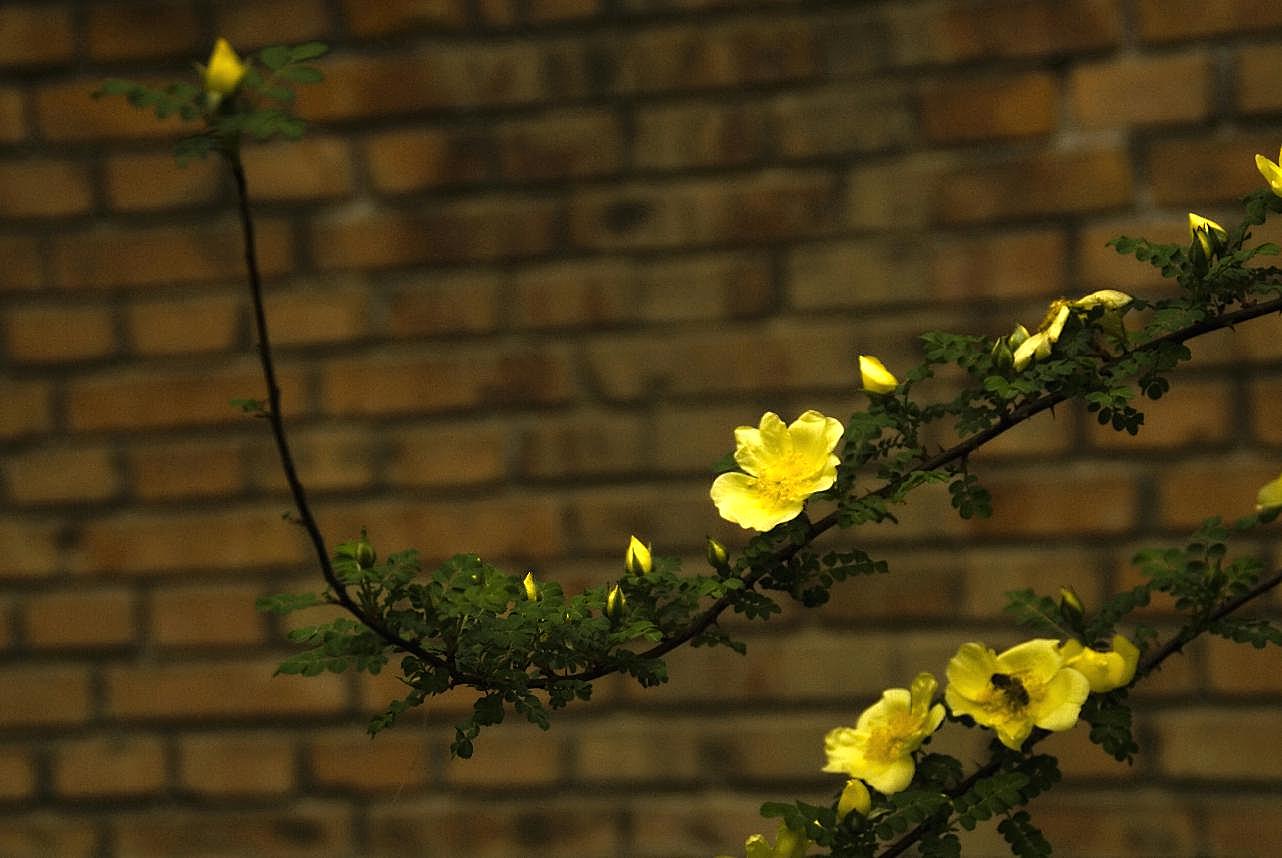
(1070, 606)
(531, 587)
(637, 560)
(615, 603)
(854, 798)
(718, 557)
(364, 555)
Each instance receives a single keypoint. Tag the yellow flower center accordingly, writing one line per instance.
(892, 738)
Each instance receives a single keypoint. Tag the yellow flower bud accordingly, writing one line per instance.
(854, 798)
(531, 587)
(718, 557)
(1070, 604)
(1270, 495)
(364, 553)
(1208, 234)
(225, 70)
(637, 560)
(875, 377)
(1106, 670)
(1271, 172)
(615, 603)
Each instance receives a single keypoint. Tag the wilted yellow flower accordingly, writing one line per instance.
(531, 587)
(788, 844)
(1103, 670)
(782, 466)
(875, 377)
(1026, 686)
(225, 70)
(879, 748)
(637, 560)
(1271, 172)
(1039, 344)
(1111, 299)
(855, 798)
(1208, 234)
(1270, 495)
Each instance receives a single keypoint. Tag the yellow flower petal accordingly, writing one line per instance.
(854, 799)
(637, 559)
(1271, 172)
(1061, 701)
(1270, 495)
(1032, 347)
(1111, 299)
(737, 500)
(225, 69)
(531, 587)
(875, 377)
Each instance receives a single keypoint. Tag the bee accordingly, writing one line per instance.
(1011, 687)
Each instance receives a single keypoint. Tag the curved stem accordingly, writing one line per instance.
(1150, 663)
(277, 421)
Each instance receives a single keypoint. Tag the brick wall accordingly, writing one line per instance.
(535, 261)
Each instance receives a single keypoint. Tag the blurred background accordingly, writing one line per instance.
(533, 263)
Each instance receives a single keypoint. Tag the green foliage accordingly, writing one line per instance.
(1025, 839)
(1040, 614)
(1110, 718)
(908, 808)
(990, 796)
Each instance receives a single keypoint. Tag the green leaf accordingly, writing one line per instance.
(275, 57)
(307, 51)
(1025, 840)
(301, 74)
(285, 603)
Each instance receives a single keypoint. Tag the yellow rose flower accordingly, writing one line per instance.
(879, 748)
(1270, 495)
(1207, 233)
(854, 798)
(637, 560)
(1026, 686)
(1103, 670)
(1271, 172)
(781, 467)
(875, 377)
(531, 587)
(225, 70)
(788, 844)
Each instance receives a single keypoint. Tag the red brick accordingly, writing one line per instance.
(1195, 414)
(1170, 20)
(1041, 184)
(1235, 668)
(185, 325)
(1257, 67)
(304, 829)
(620, 749)
(768, 206)
(1241, 825)
(171, 542)
(61, 475)
(446, 381)
(185, 469)
(548, 11)
(519, 755)
(1081, 500)
(580, 293)
(1009, 265)
(459, 454)
(1023, 28)
(80, 618)
(17, 776)
(486, 229)
(250, 24)
(218, 689)
(150, 182)
(993, 572)
(716, 823)
(165, 255)
(689, 438)
(504, 528)
(392, 16)
(110, 766)
(67, 112)
(24, 262)
(393, 761)
(13, 118)
(1266, 409)
(317, 313)
(898, 192)
(401, 161)
(857, 273)
(1024, 105)
(136, 399)
(1133, 821)
(842, 119)
(582, 445)
(33, 34)
(136, 30)
(565, 144)
(39, 835)
(1046, 436)
(206, 616)
(1219, 743)
(445, 303)
(30, 548)
(478, 828)
(326, 459)
(236, 765)
(1197, 171)
(1143, 91)
(1201, 488)
(1102, 267)
(314, 168)
(700, 134)
(43, 188)
(44, 695)
(49, 333)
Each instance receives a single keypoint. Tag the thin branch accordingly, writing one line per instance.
(277, 421)
(1151, 662)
